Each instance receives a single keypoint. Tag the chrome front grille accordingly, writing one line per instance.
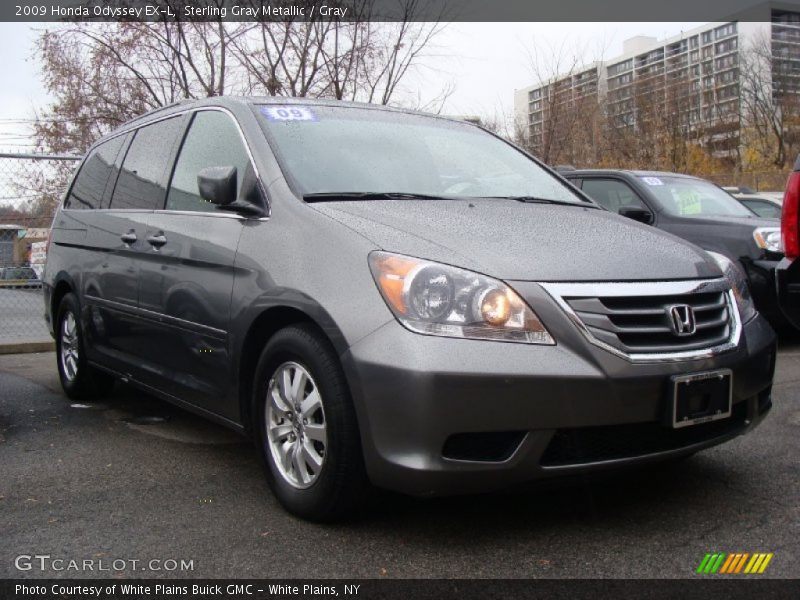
(643, 323)
(637, 320)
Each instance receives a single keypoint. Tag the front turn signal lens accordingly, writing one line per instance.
(392, 271)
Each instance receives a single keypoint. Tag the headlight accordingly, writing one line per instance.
(435, 299)
(768, 238)
(734, 274)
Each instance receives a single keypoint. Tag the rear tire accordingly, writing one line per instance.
(305, 427)
(79, 379)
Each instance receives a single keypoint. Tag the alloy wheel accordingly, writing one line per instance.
(296, 431)
(69, 347)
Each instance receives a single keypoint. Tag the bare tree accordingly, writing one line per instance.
(553, 67)
(569, 102)
(101, 75)
(770, 98)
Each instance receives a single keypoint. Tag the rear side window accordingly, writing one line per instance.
(213, 141)
(763, 208)
(141, 179)
(87, 191)
(611, 194)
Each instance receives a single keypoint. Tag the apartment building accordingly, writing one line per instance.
(697, 73)
(538, 104)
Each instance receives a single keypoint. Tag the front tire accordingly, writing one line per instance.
(305, 426)
(79, 380)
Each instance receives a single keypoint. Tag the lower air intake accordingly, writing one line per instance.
(595, 444)
(495, 446)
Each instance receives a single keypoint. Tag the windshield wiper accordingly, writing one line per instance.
(335, 196)
(538, 200)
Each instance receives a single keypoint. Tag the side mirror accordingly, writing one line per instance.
(637, 214)
(218, 185)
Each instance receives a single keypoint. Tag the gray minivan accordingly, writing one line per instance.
(383, 297)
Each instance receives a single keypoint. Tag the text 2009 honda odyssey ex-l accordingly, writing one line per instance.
(382, 296)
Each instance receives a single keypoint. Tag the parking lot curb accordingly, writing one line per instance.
(26, 347)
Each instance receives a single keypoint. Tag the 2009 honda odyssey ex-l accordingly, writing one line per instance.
(382, 296)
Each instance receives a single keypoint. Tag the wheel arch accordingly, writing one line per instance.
(62, 285)
(264, 324)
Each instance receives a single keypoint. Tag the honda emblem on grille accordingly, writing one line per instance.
(681, 318)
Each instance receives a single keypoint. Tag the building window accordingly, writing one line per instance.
(707, 37)
(731, 91)
(725, 62)
(727, 77)
(785, 17)
(727, 109)
(620, 67)
(727, 46)
(725, 31)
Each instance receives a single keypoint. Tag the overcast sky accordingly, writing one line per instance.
(485, 62)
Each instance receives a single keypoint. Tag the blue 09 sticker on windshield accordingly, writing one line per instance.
(288, 113)
(652, 181)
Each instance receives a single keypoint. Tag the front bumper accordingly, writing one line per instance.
(787, 276)
(540, 411)
(761, 277)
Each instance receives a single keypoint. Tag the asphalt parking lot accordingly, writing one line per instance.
(133, 478)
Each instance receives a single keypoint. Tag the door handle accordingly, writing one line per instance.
(129, 237)
(158, 240)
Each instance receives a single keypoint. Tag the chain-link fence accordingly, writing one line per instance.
(30, 187)
(758, 181)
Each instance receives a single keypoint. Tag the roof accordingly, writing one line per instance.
(280, 100)
(247, 101)
(634, 173)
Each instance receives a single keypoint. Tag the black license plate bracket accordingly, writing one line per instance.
(701, 397)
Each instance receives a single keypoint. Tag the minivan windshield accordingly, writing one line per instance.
(685, 197)
(366, 154)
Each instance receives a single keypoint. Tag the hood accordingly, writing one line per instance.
(525, 242)
(731, 236)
